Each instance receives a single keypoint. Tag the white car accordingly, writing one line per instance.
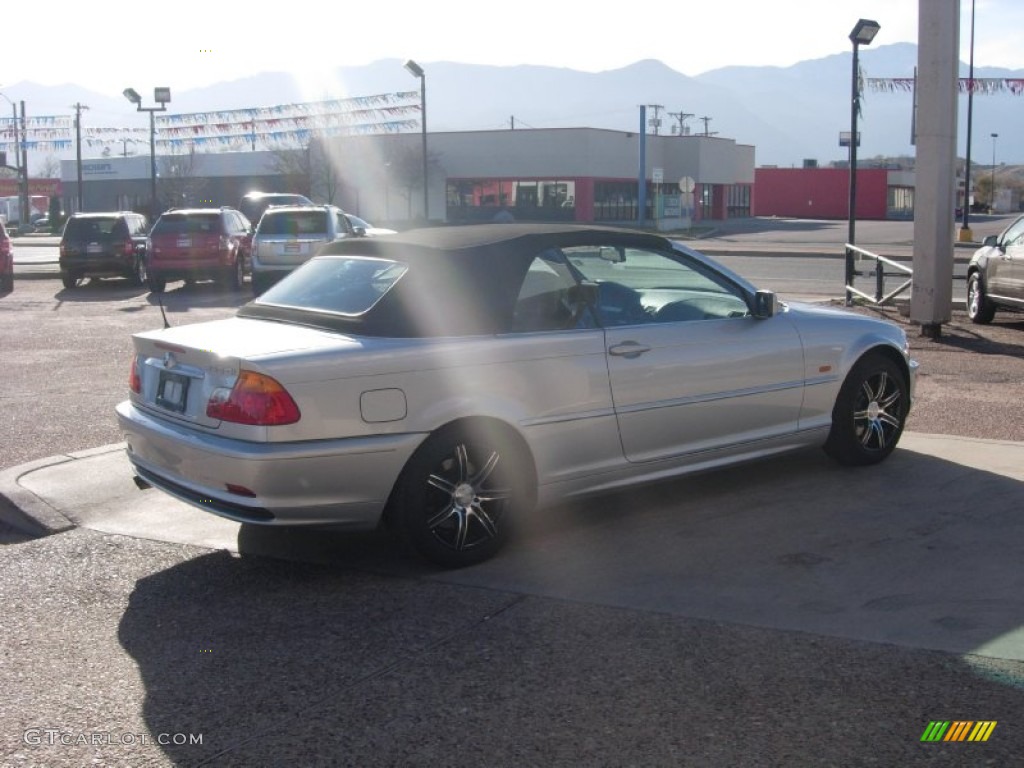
(447, 380)
(368, 228)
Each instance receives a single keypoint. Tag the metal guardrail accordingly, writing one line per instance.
(854, 255)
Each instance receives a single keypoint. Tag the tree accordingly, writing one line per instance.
(179, 184)
(49, 168)
(311, 170)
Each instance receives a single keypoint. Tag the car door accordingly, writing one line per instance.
(1004, 268)
(1013, 277)
(690, 368)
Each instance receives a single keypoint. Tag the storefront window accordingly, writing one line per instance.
(523, 199)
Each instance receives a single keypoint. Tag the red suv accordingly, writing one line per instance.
(6, 261)
(198, 244)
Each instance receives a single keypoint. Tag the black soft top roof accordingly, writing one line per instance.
(462, 280)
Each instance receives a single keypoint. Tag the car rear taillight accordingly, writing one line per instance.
(134, 380)
(224, 243)
(129, 247)
(255, 399)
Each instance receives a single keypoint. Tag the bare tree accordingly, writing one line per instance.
(295, 167)
(179, 183)
(49, 168)
(404, 164)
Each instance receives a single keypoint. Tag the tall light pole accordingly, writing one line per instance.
(862, 34)
(17, 154)
(965, 228)
(161, 96)
(992, 194)
(416, 70)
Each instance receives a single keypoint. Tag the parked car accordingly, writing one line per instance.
(253, 204)
(6, 260)
(198, 244)
(363, 227)
(995, 274)
(290, 235)
(104, 244)
(447, 380)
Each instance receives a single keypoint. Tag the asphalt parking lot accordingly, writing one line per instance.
(788, 613)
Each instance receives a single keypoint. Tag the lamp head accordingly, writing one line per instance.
(132, 95)
(414, 69)
(864, 32)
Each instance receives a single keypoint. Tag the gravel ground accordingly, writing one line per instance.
(971, 380)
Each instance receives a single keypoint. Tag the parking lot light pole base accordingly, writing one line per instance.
(965, 235)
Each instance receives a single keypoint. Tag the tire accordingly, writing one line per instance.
(7, 283)
(71, 280)
(235, 275)
(456, 499)
(980, 308)
(139, 274)
(156, 283)
(870, 412)
(259, 284)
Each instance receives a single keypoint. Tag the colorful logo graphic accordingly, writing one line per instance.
(958, 730)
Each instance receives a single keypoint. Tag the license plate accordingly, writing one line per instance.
(172, 391)
(94, 248)
(184, 242)
(293, 247)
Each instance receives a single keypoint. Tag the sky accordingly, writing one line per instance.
(106, 45)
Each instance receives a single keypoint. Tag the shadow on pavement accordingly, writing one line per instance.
(615, 632)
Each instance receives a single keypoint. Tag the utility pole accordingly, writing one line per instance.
(78, 149)
(656, 120)
(512, 122)
(682, 117)
(25, 212)
(707, 120)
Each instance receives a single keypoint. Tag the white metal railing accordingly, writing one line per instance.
(855, 255)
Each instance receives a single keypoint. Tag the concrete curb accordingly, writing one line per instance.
(24, 510)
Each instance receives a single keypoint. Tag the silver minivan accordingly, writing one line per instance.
(290, 235)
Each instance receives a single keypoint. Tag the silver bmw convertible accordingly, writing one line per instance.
(446, 381)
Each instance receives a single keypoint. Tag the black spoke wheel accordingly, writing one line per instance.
(869, 413)
(980, 309)
(457, 497)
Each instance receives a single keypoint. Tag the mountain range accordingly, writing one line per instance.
(788, 113)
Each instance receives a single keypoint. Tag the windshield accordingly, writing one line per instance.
(294, 223)
(343, 285)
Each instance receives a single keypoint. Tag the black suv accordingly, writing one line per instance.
(110, 244)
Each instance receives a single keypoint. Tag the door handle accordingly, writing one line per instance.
(628, 349)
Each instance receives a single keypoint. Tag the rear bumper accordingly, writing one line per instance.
(343, 482)
(99, 265)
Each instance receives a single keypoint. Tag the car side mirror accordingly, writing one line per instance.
(990, 241)
(766, 304)
(359, 231)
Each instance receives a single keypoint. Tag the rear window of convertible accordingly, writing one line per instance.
(335, 284)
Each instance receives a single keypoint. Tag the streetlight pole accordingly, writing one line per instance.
(162, 96)
(992, 194)
(416, 70)
(863, 33)
(965, 229)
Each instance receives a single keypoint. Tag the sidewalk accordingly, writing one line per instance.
(899, 553)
